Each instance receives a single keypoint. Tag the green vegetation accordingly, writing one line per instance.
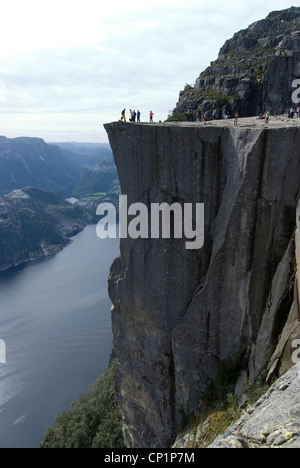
(100, 180)
(212, 94)
(175, 116)
(220, 406)
(94, 421)
(94, 196)
(211, 423)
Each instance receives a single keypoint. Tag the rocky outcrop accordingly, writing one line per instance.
(297, 241)
(177, 313)
(264, 425)
(35, 224)
(282, 313)
(254, 71)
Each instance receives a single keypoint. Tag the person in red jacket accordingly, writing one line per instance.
(151, 116)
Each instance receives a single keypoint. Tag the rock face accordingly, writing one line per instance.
(264, 426)
(35, 224)
(178, 313)
(254, 72)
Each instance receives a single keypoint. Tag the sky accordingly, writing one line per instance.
(68, 66)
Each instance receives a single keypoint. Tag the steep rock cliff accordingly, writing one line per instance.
(178, 313)
(254, 71)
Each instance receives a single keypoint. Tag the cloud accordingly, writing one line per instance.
(2, 92)
(87, 61)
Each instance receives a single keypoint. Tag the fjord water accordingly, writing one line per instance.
(55, 321)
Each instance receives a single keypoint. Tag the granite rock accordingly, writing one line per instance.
(263, 425)
(178, 313)
(254, 72)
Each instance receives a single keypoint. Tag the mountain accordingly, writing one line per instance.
(31, 162)
(254, 71)
(86, 154)
(35, 223)
(102, 178)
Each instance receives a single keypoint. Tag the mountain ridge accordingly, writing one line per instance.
(34, 224)
(254, 71)
(31, 161)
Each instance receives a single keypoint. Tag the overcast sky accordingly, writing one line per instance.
(68, 66)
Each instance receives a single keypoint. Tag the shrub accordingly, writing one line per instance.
(94, 421)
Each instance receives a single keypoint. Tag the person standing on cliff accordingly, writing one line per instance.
(267, 117)
(123, 115)
(151, 116)
(236, 118)
(138, 115)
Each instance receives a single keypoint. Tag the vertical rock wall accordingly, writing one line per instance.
(178, 313)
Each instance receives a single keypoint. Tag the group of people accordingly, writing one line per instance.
(198, 116)
(135, 116)
(291, 113)
(265, 116)
(208, 115)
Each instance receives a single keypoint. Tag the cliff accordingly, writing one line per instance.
(254, 71)
(177, 313)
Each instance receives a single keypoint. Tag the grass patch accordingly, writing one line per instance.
(211, 423)
(176, 116)
(95, 195)
(216, 96)
(220, 406)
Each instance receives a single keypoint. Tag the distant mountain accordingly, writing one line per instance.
(86, 154)
(34, 224)
(68, 169)
(32, 162)
(102, 178)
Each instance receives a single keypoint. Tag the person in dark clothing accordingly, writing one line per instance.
(123, 115)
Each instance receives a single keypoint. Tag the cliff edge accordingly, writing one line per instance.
(177, 313)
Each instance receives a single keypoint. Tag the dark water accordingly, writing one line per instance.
(55, 321)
